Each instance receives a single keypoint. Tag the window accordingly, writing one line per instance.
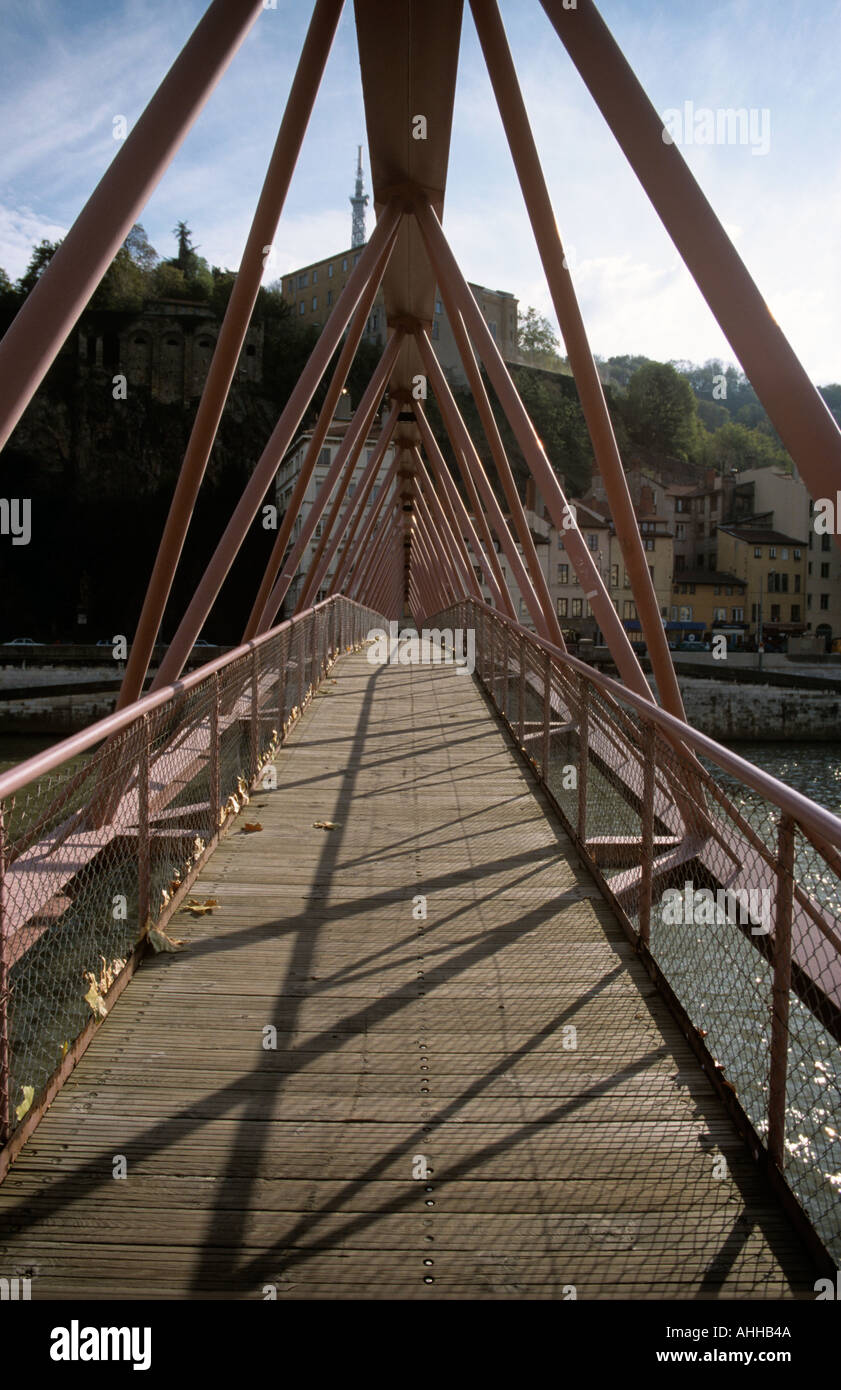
(563, 574)
(717, 590)
(317, 531)
(772, 552)
(738, 615)
(810, 567)
(629, 608)
(686, 613)
(754, 612)
(757, 552)
(302, 282)
(324, 457)
(728, 588)
(795, 612)
(434, 330)
(775, 612)
(315, 277)
(649, 545)
(824, 571)
(563, 605)
(329, 298)
(674, 613)
(330, 271)
(356, 258)
(593, 541)
(784, 555)
(301, 307)
(797, 554)
(344, 263)
(681, 530)
(439, 308)
(614, 576)
(824, 601)
(492, 327)
(797, 583)
(691, 588)
(577, 604)
(315, 302)
(680, 563)
(825, 542)
(626, 583)
(719, 615)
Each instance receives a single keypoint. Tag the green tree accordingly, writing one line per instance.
(138, 247)
(736, 446)
(536, 339)
(41, 256)
(661, 410)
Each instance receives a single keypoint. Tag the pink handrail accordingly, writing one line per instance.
(51, 758)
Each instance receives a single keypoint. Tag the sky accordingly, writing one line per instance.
(69, 67)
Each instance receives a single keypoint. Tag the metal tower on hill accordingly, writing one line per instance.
(358, 202)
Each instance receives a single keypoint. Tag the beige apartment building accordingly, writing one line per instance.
(312, 291)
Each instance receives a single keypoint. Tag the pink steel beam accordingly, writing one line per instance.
(460, 437)
(255, 489)
(350, 520)
(351, 447)
(437, 555)
(351, 553)
(386, 505)
(515, 121)
(796, 408)
(454, 542)
(341, 468)
(547, 483)
(287, 148)
(56, 301)
(325, 416)
(503, 468)
(464, 525)
(369, 573)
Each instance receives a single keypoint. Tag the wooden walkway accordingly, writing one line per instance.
(555, 1160)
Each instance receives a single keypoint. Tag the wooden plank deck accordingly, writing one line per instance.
(292, 1169)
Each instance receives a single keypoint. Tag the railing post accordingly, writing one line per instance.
(215, 790)
(144, 862)
(254, 732)
(301, 662)
(780, 992)
(314, 674)
(5, 986)
(547, 712)
(583, 753)
(505, 660)
(649, 746)
(521, 694)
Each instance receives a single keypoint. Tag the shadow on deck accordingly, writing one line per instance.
(508, 1045)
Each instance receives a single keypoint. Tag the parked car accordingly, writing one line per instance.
(690, 646)
(22, 642)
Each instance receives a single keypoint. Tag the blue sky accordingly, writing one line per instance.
(67, 69)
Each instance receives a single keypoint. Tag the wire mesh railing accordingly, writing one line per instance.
(102, 835)
(728, 881)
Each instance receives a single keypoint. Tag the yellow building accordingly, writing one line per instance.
(705, 601)
(773, 567)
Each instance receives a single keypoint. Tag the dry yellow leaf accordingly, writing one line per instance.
(28, 1097)
(251, 826)
(324, 825)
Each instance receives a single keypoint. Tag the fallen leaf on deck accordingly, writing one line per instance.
(250, 827)
(28, 1097)
(159, 941)
(324, 825)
